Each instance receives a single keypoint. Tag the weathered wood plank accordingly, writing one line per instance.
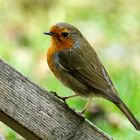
(36, 114)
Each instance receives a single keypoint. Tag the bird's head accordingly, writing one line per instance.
(64, 34)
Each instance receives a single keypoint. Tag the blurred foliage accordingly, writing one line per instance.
(112, 28)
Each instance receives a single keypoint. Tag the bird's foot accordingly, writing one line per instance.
(61, 98)
(82, 116)
(79, 112)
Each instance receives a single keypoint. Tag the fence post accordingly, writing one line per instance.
(38, 115)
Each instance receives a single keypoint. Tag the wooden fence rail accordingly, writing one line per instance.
(38, 115)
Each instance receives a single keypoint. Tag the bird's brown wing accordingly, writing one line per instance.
(84, 65)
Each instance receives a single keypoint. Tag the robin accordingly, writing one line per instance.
(75, 63)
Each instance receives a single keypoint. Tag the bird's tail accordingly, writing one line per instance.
(128, 114)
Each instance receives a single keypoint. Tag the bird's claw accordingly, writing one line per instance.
(62, 98)
(81, 114)
(53, 93)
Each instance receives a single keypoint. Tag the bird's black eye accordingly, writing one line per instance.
(65, 34)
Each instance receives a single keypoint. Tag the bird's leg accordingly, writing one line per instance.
(87, 105)
(67, 97)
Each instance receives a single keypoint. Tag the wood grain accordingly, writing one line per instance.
(36, 114)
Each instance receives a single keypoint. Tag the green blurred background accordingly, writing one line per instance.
(111, 27)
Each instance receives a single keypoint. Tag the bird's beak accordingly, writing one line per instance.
(48, 33)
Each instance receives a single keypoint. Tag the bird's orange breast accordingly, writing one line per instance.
(54, 48)
(50, 59)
